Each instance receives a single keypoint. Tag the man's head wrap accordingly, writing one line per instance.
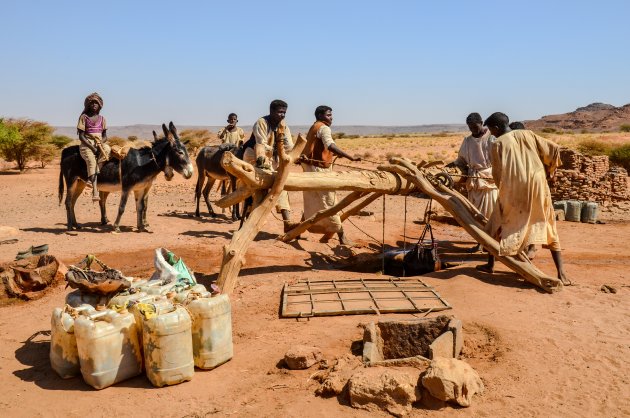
(94, 97)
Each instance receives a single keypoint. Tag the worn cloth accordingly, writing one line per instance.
(521, 163)
(474, 153)
(264, 146)
(231, 137)
(93, 132)
(94, 97)
(316, 150)
(314, 201)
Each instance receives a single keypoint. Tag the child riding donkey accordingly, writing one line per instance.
(92, 131)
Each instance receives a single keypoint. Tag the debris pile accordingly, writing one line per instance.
(31, 275)
(589, 178)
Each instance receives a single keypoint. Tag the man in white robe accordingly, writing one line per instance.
(474, 158)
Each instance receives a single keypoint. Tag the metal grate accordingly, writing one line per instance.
(359, 296)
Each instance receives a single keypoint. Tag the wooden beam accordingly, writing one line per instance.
(233, 198)
(358, 180)
(324, 213)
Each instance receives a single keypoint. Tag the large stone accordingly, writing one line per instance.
(442, 346)
(302, 357)
(334, 380)
(455, 326)
(383, 388)
(452, 380)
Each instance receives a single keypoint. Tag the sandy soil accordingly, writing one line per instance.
(566, 354)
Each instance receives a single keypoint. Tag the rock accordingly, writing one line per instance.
(302, 357)
(431, 402)
(442, 346)
(452, 380)
(606, 288)
(559, 215)
(383, 388)
(455, 326)
(334, 380)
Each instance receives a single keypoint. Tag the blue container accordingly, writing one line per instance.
(560, 205)
(589, 212)
(574, 211)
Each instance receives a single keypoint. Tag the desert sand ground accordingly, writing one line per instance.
(560, 355)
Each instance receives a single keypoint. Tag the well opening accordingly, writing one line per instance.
(426, 338)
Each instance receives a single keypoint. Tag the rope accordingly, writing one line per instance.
(405, 235)
(334, 162)
(383, 242)
(362, 230)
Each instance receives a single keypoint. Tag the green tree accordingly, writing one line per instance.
(45, 153)
(23, 140)
(60, 141)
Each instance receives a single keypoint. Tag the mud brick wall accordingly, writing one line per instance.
(581, 177)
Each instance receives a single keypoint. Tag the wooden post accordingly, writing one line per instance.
(234, 253)
(324, 213)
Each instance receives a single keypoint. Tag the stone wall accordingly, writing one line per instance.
(589, 178)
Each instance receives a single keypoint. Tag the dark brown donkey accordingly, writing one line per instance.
(209, 166)
(139, 168)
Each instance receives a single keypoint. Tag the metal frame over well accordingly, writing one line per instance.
(308, 298)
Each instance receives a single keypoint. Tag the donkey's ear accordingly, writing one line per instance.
(155, 137)
(172, 128)
(166, 133)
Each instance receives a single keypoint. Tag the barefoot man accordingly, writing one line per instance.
(524, 215)
(318, 156)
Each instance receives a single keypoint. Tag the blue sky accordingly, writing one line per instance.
(375, 62)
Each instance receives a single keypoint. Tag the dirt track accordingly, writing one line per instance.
(566, 354)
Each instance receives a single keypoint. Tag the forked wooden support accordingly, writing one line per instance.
(399, 177)
(234, 253)
(453, 203)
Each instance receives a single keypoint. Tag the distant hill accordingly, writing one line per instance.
(144, 131)
(594, 117)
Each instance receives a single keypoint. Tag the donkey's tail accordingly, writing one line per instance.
(60, 186)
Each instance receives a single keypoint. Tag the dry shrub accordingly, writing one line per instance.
(594, 147)
(621, 155)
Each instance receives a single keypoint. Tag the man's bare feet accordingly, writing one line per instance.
(344, 240)
(485, 268)
(564, 279)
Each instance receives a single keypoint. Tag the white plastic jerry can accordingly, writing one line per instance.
(211, 330)
(108, 347)
(181, 297)
(156, 287)
(158, 301)
(167, 341)
(121, 299)
(64, 357)
(76, 298)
